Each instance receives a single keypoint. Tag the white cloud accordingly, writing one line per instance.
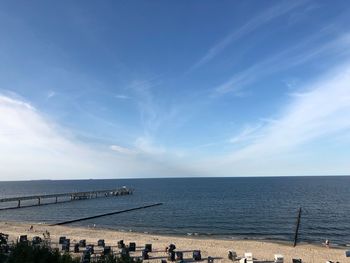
(33, 147)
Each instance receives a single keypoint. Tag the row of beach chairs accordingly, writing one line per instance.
(248, 258)
(278, 258)
(89, 249)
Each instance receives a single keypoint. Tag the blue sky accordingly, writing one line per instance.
(115, 89)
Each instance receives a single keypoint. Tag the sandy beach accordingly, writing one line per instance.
(216, 248)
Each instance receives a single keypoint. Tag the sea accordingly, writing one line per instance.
(263, 208)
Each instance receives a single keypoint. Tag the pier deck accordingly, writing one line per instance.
(68, 196)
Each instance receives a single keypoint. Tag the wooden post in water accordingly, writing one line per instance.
(297, 228)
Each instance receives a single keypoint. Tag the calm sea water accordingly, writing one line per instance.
(264, 208)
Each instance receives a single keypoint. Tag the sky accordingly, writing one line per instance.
(133, 89)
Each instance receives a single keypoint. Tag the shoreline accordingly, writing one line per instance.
(263, 250)
(192, 236)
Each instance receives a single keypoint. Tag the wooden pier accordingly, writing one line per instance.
(57, 198)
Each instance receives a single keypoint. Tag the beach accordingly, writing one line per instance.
(216, 248)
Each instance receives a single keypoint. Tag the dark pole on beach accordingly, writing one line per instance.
(297, 228)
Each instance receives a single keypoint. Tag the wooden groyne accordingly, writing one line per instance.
(106, 214)
(64, 197)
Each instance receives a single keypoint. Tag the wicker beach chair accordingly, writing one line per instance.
(121, 244)
(197, 255)
(82, 243)
(101, 243)
(61, 240)
(3, 238)
(249, 257)
(76, 248)
(232, 255)
(66, 245)
(278, 258)
(148, 247)
(132, 246)
(22, 239)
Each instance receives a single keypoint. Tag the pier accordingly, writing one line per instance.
(64, 197)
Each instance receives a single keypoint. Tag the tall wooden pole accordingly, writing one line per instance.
(297, 228)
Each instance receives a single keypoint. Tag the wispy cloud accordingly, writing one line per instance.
(253, 24)
(141, 146)
(249, 133)
(301, 15)
(147, 145)
(149, 109)
(297, 55)
(121, 96)
(319, 113)
(122, 150)
(322, 110)
(153, 109)
(51, 94)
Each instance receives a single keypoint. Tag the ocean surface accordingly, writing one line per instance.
(230, 208)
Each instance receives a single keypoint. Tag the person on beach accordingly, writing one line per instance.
(327, 243)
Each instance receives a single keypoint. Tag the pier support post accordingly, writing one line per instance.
(56, 200)
(39, 200)
(19, 203)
